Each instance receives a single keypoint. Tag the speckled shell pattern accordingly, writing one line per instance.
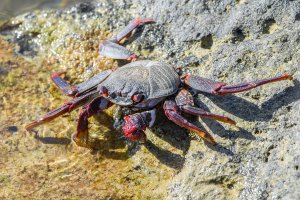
(153, 79)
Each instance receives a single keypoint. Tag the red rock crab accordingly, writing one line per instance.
(141, 85)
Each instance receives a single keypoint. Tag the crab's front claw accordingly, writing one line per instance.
(136, 124)
(137, 135)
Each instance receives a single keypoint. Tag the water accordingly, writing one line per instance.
(10, 8)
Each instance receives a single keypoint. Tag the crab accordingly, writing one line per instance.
(142, 85)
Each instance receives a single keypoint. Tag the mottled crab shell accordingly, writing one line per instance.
(153, 79)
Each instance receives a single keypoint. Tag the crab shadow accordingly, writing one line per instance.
(247, 111)
(166, 157)
(109, 147)
(231, 104)
(53, 140)
(252, 112)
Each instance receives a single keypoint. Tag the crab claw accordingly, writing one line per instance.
(136, 124)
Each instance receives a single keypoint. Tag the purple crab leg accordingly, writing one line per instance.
(81, 88)
(185, 102)
(213, 87)
(171, 111)
(112, 49)
(97, 104)
(202, 113)
(65, 87)
(130, 27)
(68, 107)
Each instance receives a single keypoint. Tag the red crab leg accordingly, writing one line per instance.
(213, 87)
(202, 113)
(112, 49)
(81, 88)
(130, 27)
(65, 87)
(136, 124)
(68, 107)
(97, 104)
(172, 113)
(184, 100)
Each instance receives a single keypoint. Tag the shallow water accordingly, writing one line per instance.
(10, 8)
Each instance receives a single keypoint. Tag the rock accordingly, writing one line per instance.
(229, 41)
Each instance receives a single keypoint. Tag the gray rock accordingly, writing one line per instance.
(244, 40)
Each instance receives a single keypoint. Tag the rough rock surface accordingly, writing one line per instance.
(229, 41)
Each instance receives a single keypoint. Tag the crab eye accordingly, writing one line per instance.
(137, 98)
(103, 91)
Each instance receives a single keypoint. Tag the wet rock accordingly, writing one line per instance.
(229, 41)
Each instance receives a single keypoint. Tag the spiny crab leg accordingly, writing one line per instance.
(112, 49)
(213, 87)
(68, 107)
(172, 113)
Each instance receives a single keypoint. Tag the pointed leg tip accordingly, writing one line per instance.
(211, 141)
(143, 141)
(288, 76)
(58, 74)
(141, 21)
(133, 57)
(232, 122)
(29, 127)
(207, 137)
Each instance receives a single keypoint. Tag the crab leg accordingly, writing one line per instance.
(65, 87)
(185, 102)
(202, 113)
(68, 107)
(97, 104)
(171, 111)
(129, 28)
(112, 49)
(213, 87)
(81, 88)
(136, 124)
